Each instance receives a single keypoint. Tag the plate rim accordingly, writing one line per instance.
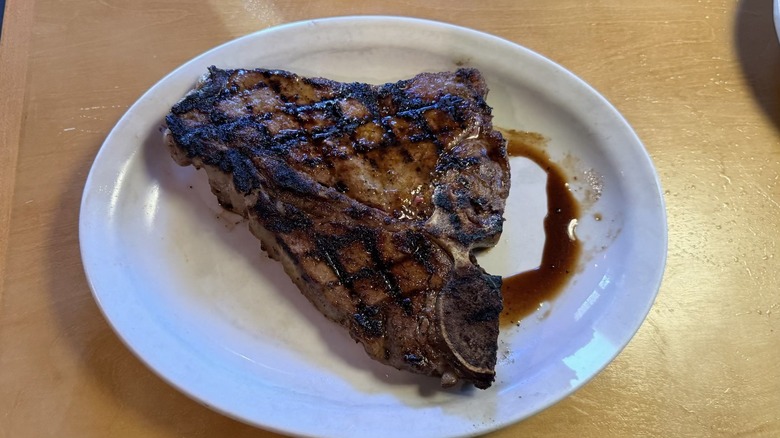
(100, 156)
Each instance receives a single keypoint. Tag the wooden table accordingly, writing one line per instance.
(698, 80)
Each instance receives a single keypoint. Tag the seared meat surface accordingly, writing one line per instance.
(372, 197)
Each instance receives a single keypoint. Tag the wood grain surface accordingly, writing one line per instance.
(698, 80)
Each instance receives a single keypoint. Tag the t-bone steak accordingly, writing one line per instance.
(373, 197)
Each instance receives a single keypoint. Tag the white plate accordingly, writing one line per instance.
(192, 295)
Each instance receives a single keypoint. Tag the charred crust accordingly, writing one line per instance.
(468, 235)
(413, 359)
(280, 138)
(363, 93)
(357, 212)
(406, 306)
(370, 321)
(276, 86)
(244, 172)
(288, 179)
(443, 201)
(204, 97)
(317, 83)
(273, 220)
(450, 161)
(419, 246)
(479, 204)
(389, 138)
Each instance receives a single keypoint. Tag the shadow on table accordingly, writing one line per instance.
(758, 50)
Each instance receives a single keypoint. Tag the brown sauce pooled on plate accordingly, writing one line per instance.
(524, 292)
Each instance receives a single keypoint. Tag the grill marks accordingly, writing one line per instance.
(338, 113)
(310, 125)
(371, 196)
(319, 128)
(379, 268)
(357, 259)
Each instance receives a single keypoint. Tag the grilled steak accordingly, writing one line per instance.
(372, 197)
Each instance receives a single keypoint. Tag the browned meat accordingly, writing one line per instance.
(373, 198)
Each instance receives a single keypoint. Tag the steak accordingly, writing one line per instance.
(372, 197)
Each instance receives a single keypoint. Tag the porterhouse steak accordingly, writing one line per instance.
(372, 197)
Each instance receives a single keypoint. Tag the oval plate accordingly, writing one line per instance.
(187, 288)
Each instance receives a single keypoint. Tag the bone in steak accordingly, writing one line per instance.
(372, 197)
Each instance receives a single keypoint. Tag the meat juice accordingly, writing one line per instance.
(524, 292)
